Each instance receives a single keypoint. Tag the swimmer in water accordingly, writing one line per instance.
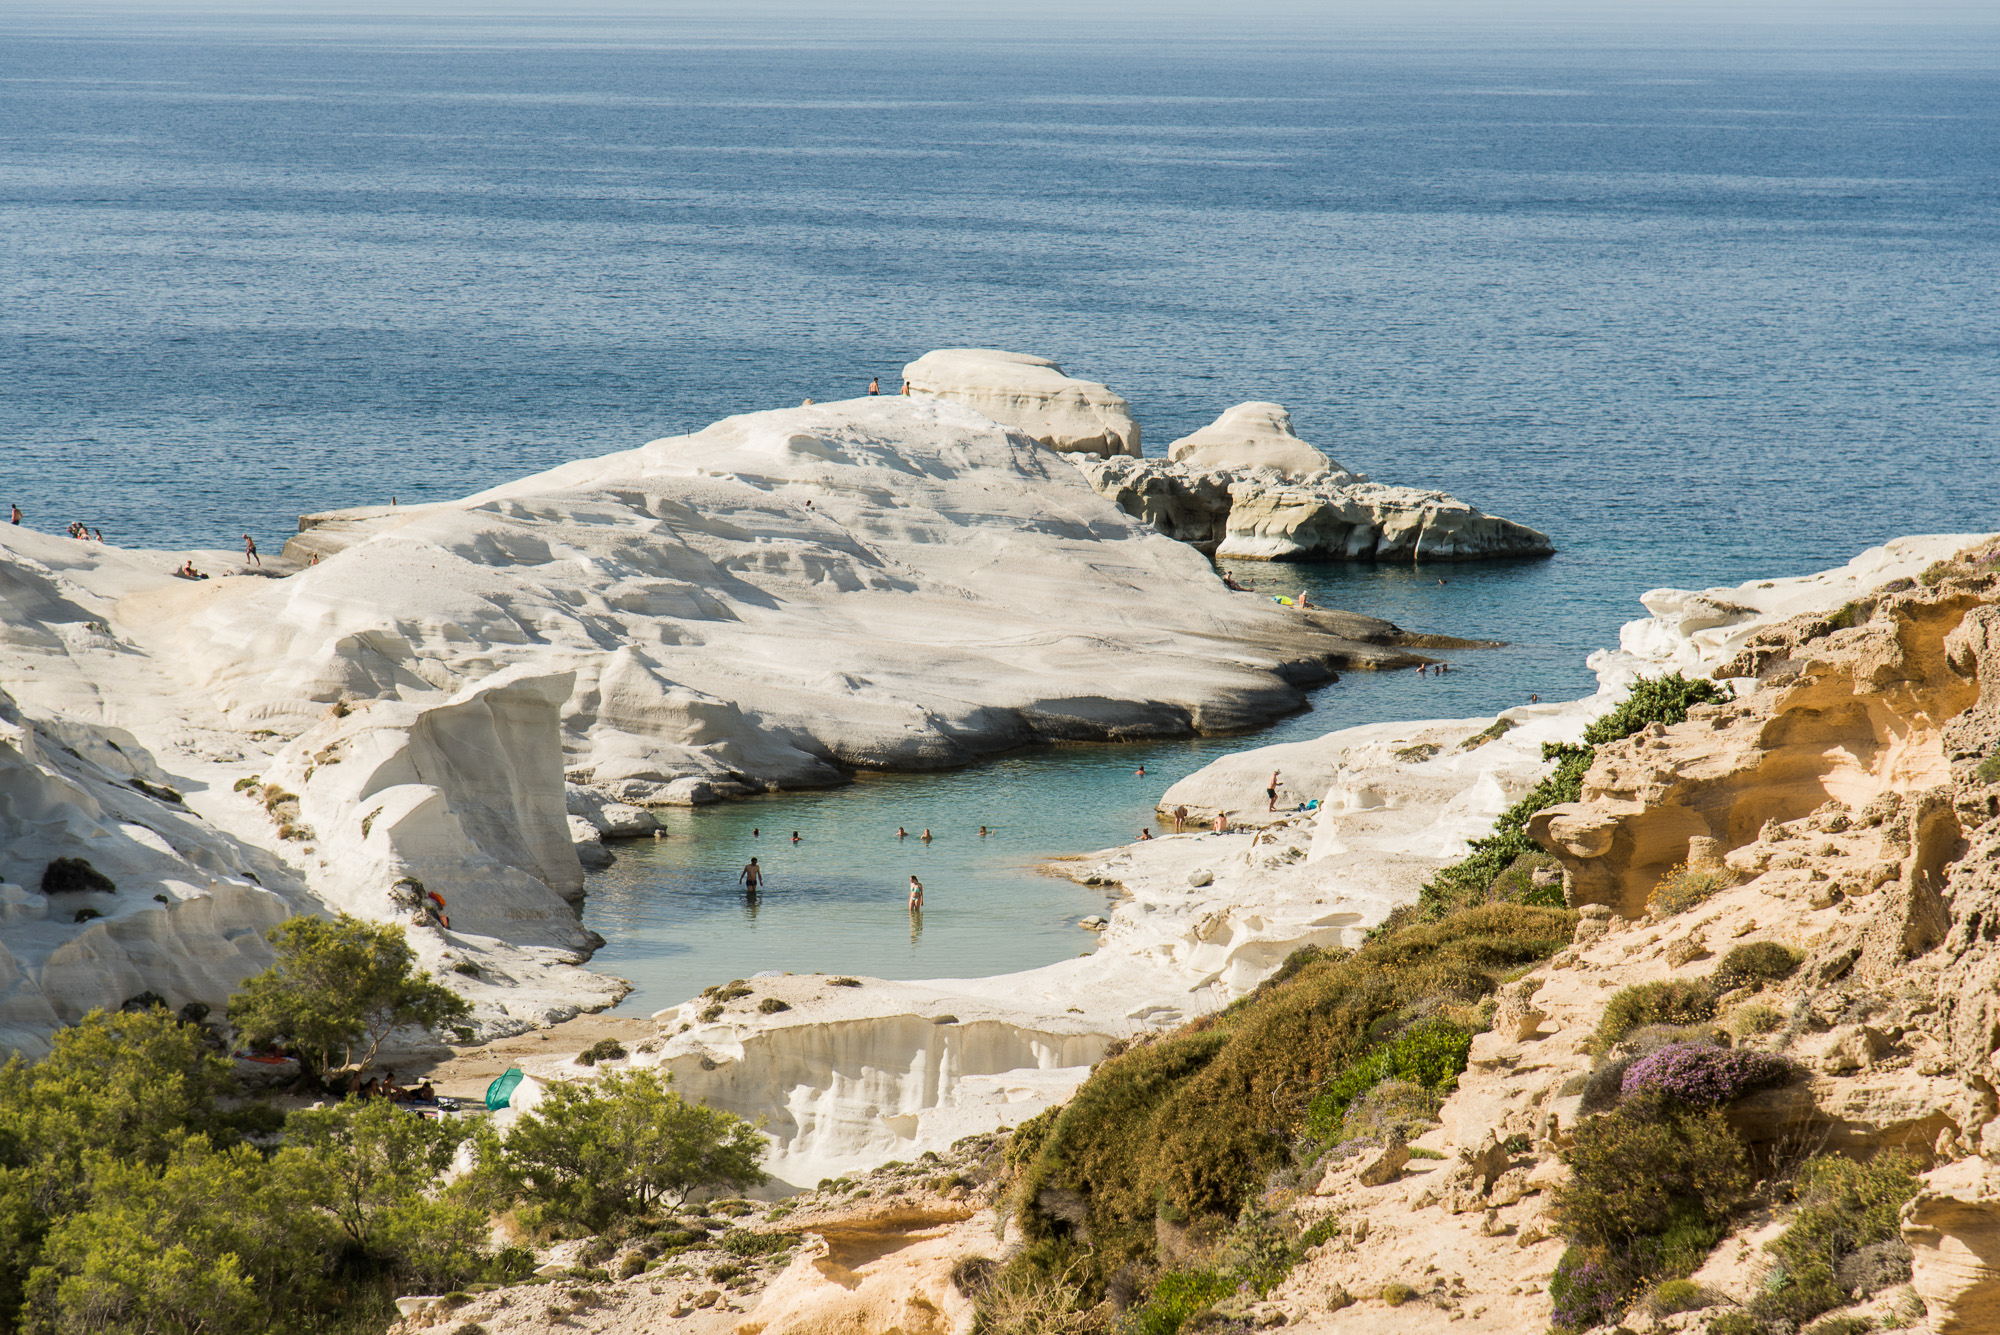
(902, 833)
(982, 832)
(1140, 772)
(795, 836)
(926, 835)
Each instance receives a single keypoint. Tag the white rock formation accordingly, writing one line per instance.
(1253, 515)
(1257, 438)
(1031, 394)
(892, 582)
(961, 589)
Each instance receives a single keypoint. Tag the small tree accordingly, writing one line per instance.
(337, 987)
(588, 1154)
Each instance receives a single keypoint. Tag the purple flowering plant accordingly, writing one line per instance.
(1703, 1076)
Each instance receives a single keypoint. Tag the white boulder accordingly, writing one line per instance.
(1031, 394)
(1257, 438)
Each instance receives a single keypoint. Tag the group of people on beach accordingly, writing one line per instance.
(387, 1088)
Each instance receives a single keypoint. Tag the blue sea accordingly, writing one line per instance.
(1703, 304)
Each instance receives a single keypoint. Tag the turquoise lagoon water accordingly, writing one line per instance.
(677, 920)
(1706, 303)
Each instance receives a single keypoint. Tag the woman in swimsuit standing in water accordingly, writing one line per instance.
(916, 895)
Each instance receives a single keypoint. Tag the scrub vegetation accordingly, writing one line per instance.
(1156, 1198)
(143, 1193)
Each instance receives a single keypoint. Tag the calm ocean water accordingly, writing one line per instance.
(1702, 308)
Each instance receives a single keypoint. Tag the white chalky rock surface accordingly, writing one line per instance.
(883, 583)
(1031, 394)
(891, 582)
(1254, 437)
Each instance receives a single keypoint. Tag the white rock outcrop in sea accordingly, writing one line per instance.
(1030, 394)
(893, 582)
(1254, 515)
(1257, 438)
(884, 583)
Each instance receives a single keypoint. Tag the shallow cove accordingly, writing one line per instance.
(676, 920)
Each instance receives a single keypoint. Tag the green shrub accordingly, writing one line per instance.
(1754, 964)
(603, 1050)
(1396, 1293)
(1400, 1107)
(1429, 1055)
(1677, 1295)
(742, 1242)
(589, 1154)
(1746, 1021)
(710, 1013)
(1681, 889)
(843, 982)
(1178, 1295)
(1989, 768)
(722, 1274)
(1672, 1001)
(771, 1006)
(1191, 1124)
(1843, 1206)
(1664, 700)
(1516, 884)
(1637, 1171)
(1737, 1323)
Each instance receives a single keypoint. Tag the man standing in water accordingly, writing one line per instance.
(752, 878)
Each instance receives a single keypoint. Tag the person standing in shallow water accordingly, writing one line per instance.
(916, 895)
(752, 878)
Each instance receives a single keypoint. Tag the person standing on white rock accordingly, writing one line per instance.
(250, 550)
(1271, 793)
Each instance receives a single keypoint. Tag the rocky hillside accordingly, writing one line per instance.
(1750, 1093)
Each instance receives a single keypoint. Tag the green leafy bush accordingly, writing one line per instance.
(1663, 700)
(337, 989)
(1429, 1055)
(588, 1154)
(1178, 1295)
(1843, 1207)
(1636, 1170)
(603, 1050)
(1672, 1001)
(1755, 963)
(1989, 768)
